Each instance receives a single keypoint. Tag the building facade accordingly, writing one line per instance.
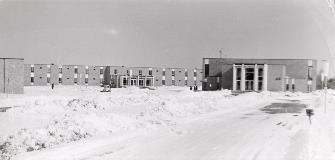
(11, 75)
(260, 74)
(121, 76)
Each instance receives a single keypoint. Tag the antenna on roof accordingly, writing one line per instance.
(222, 55)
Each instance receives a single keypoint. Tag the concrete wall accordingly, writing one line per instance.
(27, 74)
(276, 77)
(40, 74)
(11, 76)
(179, 77)
(67, 75)
(157, 73)
(54, 75)
(168, 76)
(94, 75)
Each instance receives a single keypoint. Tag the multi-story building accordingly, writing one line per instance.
(121, 76)
(260, 74)
(11, 75)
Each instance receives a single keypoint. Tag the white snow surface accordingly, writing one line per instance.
(79, 122)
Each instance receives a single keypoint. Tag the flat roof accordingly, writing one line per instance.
(265, 58)
(13, 58)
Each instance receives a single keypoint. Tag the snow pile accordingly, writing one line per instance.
(65, 118)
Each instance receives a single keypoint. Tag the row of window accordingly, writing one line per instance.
(75, 80)
(140, 72)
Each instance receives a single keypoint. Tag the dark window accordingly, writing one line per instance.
(195, 73)
(115, 71)
(238, 85)
(163, 82)
(32, 69)
(32, 79)
(249, 74)
(48, 79)
(173, 73)
(60, 70)
(310, 73)
(67, 78)
(93, 78)
(150, 72)
(206, 70)
(86, 80)
(186, 73)
(40, 77)
(128, 72)
(101, 71)
(238, 73)
(185, 82)
(75, 80)
(173, 82)
(278, 78)
(68, 68)
(76, 70)
(40, 67)
(293, 87)
(140, 72)
(260, 85)
(163, 72)
(60, 80)
(287, 87)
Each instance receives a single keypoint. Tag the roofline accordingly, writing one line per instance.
(117, 66)
(266, 58)
(13, 58)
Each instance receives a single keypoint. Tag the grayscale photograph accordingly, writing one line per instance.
(167, 80)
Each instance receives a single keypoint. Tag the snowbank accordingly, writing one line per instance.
(43, 118)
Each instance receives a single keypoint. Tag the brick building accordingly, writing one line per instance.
(45, 74)
(260, 74)
(11, 75)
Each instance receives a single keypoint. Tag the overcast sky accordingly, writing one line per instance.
(166, 33)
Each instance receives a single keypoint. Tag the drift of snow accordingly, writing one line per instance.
(73, 122)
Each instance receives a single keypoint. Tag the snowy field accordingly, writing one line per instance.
(81, 123)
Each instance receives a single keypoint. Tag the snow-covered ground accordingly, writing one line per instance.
(73, 122)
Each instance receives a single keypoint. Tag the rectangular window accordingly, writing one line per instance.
(173, 73)
(163, 72)
(128, 72)
(206, 70)
(173, 82)
(86, 80)
(163, 82)
(60, 80)
(125, 81)
(195, 73)
(186, 73)
(287, 87)
(115, 71)
(75, 70)
(60, 70)
(75, 80)
(48, 79)
(86, 71)
(150, 72)
(310, 73)
(186, 83)
(101, 71)
(140, 72)
(32, 79)
(32, 69)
